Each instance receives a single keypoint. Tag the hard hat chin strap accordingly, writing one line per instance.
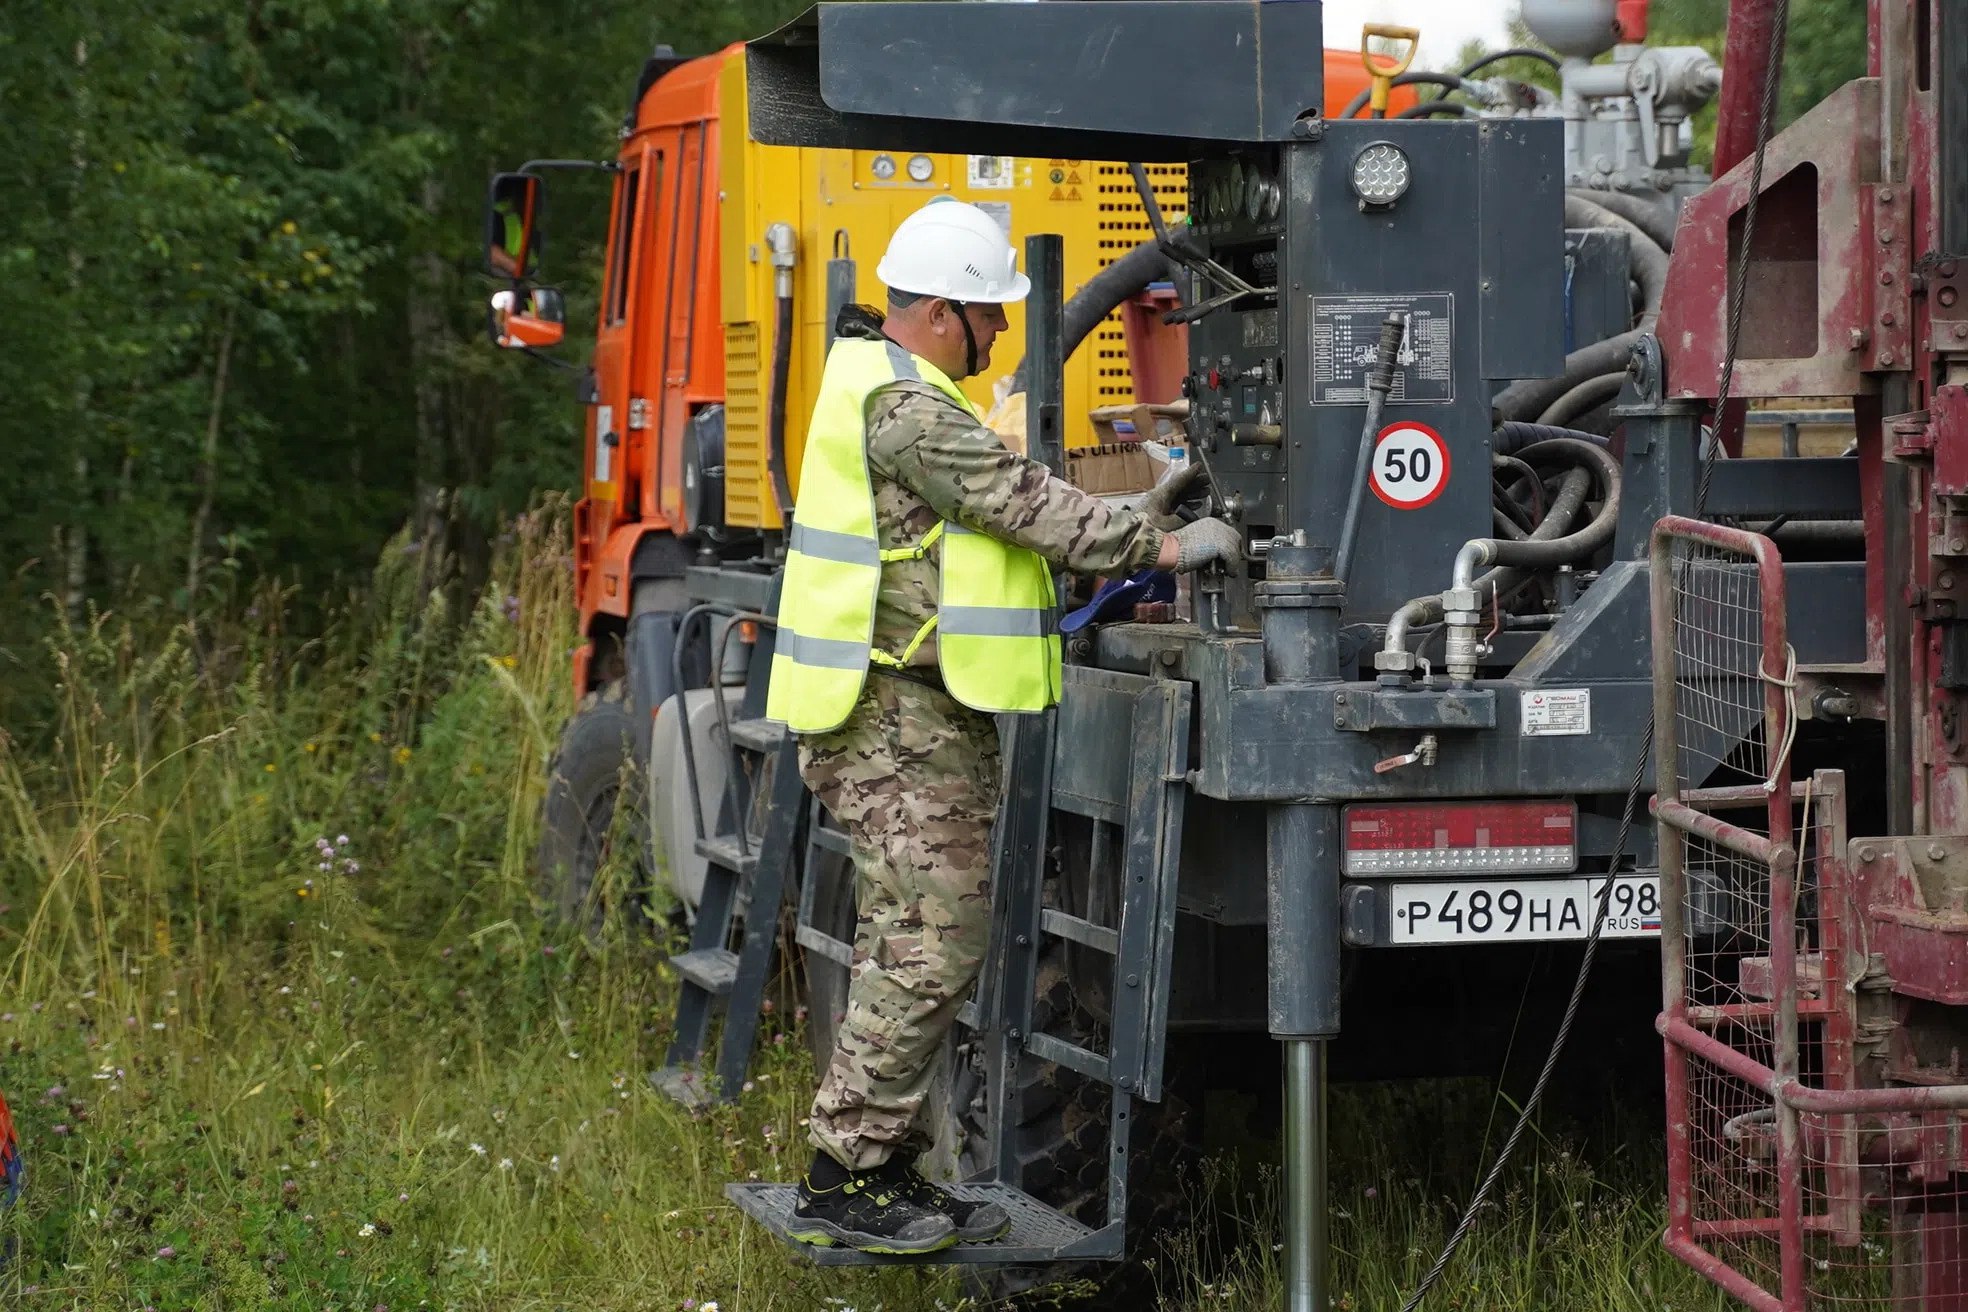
(970, 338)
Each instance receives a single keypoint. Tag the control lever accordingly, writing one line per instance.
(1210, 582)
(1423, 754)
(1380, 381)
(1233, 287)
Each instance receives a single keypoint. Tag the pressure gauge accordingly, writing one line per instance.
(883, 167)
(1236, 189)
(1260, 196)
(920, 167)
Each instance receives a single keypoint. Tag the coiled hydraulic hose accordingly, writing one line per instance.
(1511, 438)
(1547, 547)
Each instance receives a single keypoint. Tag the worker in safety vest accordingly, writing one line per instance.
(921, 554)
(511, 235)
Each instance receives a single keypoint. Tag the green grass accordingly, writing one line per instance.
(243, 1081)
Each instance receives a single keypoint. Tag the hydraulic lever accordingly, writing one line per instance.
(1210, 582)
(1232, 287)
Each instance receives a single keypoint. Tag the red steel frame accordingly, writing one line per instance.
(1893, 1127)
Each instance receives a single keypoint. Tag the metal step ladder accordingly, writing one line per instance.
(728, 962)
(1139, 800)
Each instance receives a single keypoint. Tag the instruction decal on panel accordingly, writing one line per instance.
(1410, 465)
(1346, 338)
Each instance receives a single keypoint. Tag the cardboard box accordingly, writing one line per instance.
(1117, 468)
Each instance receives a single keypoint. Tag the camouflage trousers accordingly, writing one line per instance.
(912, 776)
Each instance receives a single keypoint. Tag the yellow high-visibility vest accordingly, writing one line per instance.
(996, 643)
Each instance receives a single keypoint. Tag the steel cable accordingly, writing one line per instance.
(1740, 280)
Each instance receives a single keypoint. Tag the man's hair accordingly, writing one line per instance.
(901, 300)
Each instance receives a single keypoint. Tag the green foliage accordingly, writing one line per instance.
(286, 1028)
(243, 272)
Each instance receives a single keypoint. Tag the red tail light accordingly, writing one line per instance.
(1460, 838)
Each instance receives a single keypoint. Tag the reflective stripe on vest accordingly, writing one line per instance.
(995, 643)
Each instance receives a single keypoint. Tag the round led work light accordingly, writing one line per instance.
(1381, 174)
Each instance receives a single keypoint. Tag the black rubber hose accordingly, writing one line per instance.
(1505, 464)
(782, 372)
(1549, 545)
(1572, 492)
(1583, 399)
(1430, 108)
(1532, 396)
(1514, 52)
(1657, 223)
(1573, 546)
(1447, 81)
(1510, 439)
(1649, 261)
(1098, 297)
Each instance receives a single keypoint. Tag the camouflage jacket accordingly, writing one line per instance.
(929, 460)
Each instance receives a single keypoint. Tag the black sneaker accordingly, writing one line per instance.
(976, 1223)
(867, 1210)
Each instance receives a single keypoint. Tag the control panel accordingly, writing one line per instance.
(1448, 226)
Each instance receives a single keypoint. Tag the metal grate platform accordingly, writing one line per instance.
(1038, 1233)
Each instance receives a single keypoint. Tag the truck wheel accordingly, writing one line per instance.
(1062, 1151)
(593, 769)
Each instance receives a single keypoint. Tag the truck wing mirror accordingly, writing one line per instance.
(512, 229)
(526, 318)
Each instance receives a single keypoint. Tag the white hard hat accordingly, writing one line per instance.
(954, 250)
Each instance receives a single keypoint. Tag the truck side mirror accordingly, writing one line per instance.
(512, 230)
(526, 319)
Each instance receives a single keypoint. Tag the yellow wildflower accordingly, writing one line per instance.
(402, 755)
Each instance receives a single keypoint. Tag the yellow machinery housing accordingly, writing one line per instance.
(847, 203)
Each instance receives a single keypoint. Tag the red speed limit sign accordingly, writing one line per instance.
(1410, 465)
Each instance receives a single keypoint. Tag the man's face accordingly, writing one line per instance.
(986, 322)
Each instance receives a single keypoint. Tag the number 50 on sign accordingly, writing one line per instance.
(1410, 465)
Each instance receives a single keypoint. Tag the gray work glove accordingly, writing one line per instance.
(1207, 542)
(1159, 506)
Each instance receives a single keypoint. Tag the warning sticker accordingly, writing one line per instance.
(990, 171)
(1557, 713)
(1410, 465)
(1346, 339)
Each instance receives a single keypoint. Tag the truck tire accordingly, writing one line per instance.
(1063, 1152)
(593, 769)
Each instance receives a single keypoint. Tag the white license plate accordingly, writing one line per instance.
(1521, 910)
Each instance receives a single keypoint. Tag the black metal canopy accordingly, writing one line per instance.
(1122, 79)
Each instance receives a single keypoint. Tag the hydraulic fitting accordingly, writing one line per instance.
(783, 241)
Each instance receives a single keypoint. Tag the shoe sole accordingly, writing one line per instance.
(985, 1237)
(825, 1234)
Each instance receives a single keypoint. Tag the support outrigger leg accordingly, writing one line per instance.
(1299, 603)
(1304, 947)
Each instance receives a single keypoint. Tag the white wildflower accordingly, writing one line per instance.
(368, 1228)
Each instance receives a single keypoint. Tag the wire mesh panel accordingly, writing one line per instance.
(1791, 1184)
